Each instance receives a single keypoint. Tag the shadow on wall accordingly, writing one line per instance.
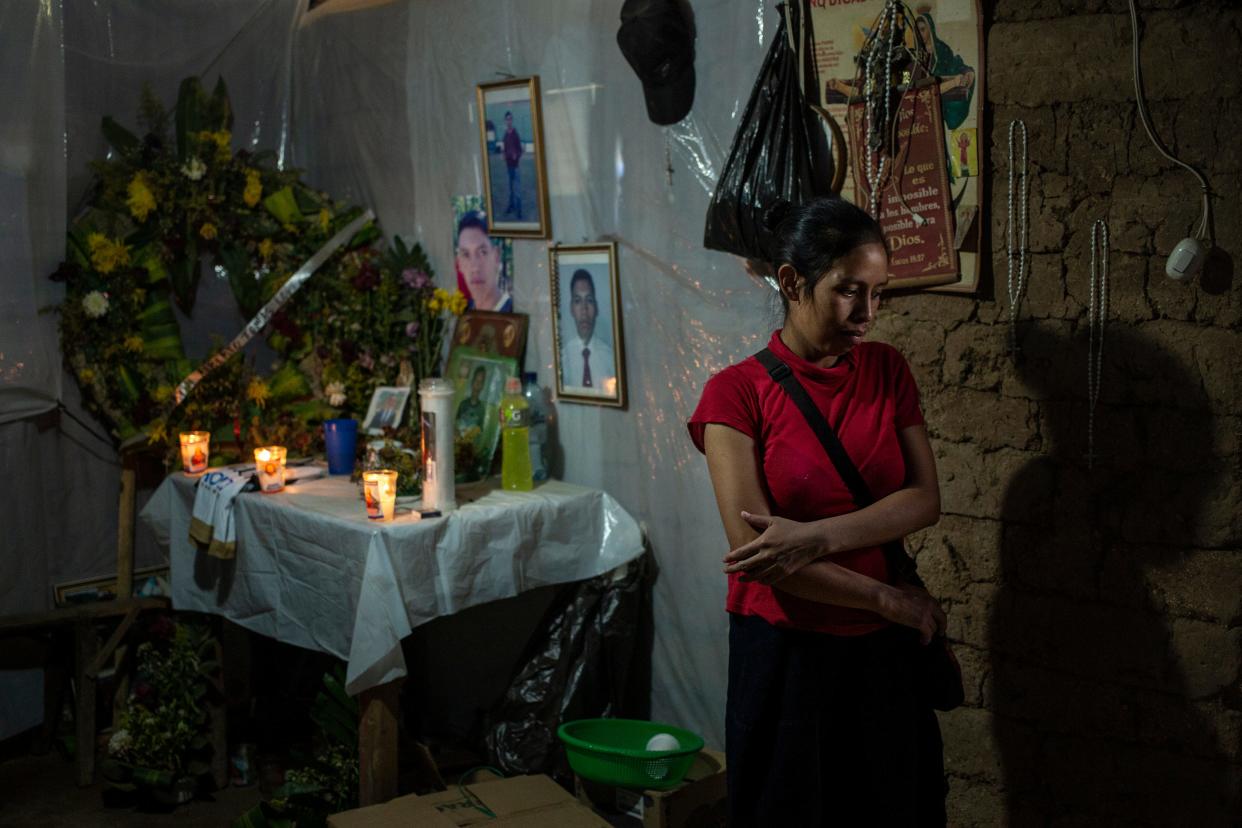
(1107, 687)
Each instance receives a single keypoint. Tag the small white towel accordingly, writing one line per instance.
(211, 523)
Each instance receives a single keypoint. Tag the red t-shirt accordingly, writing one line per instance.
(868, 396)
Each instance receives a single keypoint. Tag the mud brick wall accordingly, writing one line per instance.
(1097, 612)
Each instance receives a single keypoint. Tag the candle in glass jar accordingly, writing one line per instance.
(269, 462)
(379, 488)
(195, 446)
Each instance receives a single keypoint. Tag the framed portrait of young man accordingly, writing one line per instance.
(588, 346)
(514, 178)
(387, 408)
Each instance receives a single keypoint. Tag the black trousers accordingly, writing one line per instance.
(827, 730)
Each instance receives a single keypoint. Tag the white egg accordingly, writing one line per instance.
(663, 741)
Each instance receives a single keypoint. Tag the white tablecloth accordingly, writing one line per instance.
(312, 570)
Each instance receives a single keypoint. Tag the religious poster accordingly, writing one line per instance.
(913, 204)
(950, 37)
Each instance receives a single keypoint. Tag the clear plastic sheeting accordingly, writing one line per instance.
(376, 102)
(584, 662)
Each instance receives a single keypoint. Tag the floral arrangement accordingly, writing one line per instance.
(168, 205)
(326, 782)
(161, 736)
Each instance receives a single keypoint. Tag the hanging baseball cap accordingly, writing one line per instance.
(657, 38)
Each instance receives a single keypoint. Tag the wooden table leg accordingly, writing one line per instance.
(86, 646)
(377, 743)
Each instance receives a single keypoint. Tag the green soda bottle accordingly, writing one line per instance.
(515, 466)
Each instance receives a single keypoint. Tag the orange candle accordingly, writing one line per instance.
(379, 488)
(269, 462)
(195, 446)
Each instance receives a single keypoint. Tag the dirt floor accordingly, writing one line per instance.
(41, 791)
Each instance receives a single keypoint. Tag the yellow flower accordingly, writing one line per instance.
(439, 299)
(258, 392)
(86, 375)
(265, 249)
(106, 255)
(325, 219)
(254, 188)
(141, 200)
(292, 230)
(133, 343)
(162, 393)
(457, 304)
(207, 231)
(221, 139)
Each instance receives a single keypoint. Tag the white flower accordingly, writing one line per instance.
(120, 742)
(194, 170)
(95, 304)
(336, 394)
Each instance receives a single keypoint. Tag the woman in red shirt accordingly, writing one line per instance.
(823, 724)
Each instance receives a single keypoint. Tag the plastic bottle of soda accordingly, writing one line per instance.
(538, 423)
(515, 468)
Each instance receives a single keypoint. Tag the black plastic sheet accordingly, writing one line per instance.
(780, 154)
(583, 662)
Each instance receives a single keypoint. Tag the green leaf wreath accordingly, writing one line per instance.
(179, 199)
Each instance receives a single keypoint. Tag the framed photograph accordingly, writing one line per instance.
(586, 324)
(149, 582)
(514, 178)
(502, 334)
(387, 408)
(484, 263)
(478, 377)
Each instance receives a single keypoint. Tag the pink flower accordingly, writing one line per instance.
(366, 360)
(415, 278)
(411, 330)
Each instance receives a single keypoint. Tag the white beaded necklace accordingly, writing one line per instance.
(874, 160)
(1016, 235)
(1097, 317)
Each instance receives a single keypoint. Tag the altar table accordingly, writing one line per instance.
(312, 570)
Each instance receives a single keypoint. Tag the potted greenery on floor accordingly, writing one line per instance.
(160, 750)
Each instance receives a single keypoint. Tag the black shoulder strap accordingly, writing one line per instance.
(782, 375)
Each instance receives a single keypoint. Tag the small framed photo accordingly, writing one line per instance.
(149, 582)
(387, 408)
(514, 177)
(586, 324)
(478, 377)
(492, 334)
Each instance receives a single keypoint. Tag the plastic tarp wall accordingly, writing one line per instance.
(380, 107)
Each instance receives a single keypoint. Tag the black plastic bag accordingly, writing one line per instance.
(780, 154)
(586, 660)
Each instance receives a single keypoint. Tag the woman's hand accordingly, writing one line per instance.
(783, 547)
(912, 607)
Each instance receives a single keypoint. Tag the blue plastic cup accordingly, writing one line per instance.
(341, 438)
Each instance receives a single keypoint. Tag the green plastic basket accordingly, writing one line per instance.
(614, 752)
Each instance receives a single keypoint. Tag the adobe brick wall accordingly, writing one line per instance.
(1097, 613)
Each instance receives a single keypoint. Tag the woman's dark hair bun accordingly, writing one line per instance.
(776, 214)
(811, 236)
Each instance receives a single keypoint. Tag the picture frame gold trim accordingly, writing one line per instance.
(497, 224)
(102, 588)
(616, 396)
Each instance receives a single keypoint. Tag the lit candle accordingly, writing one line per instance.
(380, 490)
(194, 448)
(269, 462)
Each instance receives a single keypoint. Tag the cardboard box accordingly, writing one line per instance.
(700, 801)
(517, 802)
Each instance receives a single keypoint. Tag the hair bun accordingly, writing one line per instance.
(776, 214)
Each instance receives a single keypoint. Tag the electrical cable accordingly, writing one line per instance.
(1204, 221)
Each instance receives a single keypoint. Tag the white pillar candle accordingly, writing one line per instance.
(269, 463)
(436, 400)
(379, 488)
(195, 447)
